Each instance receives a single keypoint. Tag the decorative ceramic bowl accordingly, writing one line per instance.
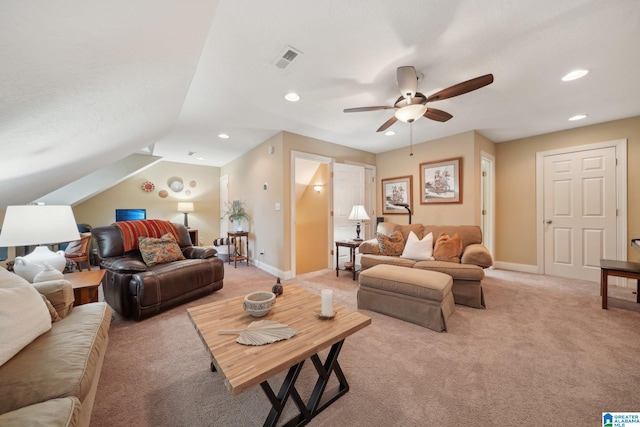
(258, 304)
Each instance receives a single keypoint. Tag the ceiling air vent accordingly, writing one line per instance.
(287, 57)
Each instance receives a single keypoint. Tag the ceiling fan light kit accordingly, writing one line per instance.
(411, 105)
(411, 113)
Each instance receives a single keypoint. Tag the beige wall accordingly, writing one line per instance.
(312, 225)
(397, 163)
(100, 210)
(247, 176)
(271, 229)
(516, 186)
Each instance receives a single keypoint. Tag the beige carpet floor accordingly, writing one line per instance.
(542, 353)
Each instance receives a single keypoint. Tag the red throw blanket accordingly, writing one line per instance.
(131, 230)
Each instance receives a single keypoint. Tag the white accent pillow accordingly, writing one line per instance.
(23, 318)
(418, 250)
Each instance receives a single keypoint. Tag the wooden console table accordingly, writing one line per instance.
(236, 255)
(609, 267)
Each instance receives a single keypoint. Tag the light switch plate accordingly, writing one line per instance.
(277, 206)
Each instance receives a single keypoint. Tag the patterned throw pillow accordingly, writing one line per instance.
(448, 248)
(55, 317)
(391, 245)
(159, 250)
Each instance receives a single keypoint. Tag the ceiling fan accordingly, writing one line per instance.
(411, 105)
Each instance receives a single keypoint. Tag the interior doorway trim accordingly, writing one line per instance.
(489, 202)
(620, 146)
(321, 159)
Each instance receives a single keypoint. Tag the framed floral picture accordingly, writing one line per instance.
(441, 181)
(397, 192)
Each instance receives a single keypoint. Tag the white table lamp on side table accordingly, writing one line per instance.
(358, 213)
(38, 225)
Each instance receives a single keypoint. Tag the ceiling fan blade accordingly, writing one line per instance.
(437, 115)
(462, 88)
(388, 123)
(360, 109)
(407, 80)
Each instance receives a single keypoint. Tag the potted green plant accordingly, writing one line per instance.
(237, 212)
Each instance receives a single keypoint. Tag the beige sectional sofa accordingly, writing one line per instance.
(467, 275)
(53, 380)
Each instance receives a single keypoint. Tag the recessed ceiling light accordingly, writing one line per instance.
(292, 97)
(575, 74)
(389, 133)
(223, 136)
(199, 158)
(577, 117)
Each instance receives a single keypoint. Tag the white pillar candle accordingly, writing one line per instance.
(327, 305)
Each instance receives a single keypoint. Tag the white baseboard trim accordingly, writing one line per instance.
(272, 270)
(533, 269)
(512, 266)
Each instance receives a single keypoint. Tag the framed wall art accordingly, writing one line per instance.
(397, 191)
(441, 181)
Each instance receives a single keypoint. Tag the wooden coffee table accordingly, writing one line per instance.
(244, 367)
(85, 285)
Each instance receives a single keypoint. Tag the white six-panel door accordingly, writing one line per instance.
(579, 212)
(348, 190)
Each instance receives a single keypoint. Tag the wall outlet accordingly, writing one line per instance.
(261, 251)
(201, 240)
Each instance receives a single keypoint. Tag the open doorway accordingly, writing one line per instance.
(311, 223)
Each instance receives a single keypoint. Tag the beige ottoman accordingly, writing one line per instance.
(418, 296)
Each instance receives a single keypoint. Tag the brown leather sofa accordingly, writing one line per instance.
(137, 291)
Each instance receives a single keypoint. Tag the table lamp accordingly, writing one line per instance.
(38, 225)
(358, 213)
(185, 207)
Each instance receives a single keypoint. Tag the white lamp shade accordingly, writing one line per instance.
(38, 225)
(359, 213)
(411, 112)
(185, 206)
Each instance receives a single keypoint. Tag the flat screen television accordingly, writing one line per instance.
(130, 214)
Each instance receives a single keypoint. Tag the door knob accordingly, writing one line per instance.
(548, 221)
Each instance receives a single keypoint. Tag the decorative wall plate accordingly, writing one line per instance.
(175, 184)
(148, 187)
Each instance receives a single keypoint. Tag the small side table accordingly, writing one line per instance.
(609, 267)
(236, 255)
(85, 285)
(351, 265)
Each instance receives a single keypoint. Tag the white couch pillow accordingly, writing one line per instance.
(23, 318)
(418, 250)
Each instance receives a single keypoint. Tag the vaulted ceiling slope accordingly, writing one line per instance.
(84, 84)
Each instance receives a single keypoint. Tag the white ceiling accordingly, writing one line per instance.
(83, 84)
